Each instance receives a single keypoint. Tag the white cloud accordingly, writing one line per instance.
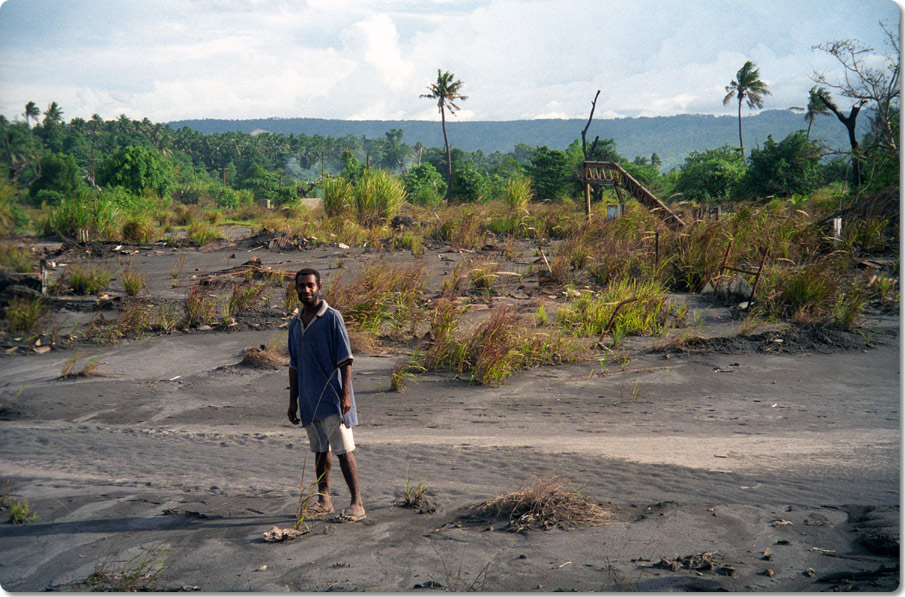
(355, 59)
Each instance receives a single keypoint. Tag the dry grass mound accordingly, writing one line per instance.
(545, 503)
(264, 357)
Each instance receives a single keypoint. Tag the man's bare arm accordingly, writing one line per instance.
(293, 396)
(345, 400)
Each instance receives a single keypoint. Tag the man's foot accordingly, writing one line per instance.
(319, 509)
(352, 514)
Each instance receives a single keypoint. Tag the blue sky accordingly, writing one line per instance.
(176, 59)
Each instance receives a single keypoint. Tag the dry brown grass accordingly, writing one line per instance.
(264, 357)
(546, 503)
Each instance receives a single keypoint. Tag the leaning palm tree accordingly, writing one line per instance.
(53, 114)
(31, 111)
(746, 86)
(446, 92)
(816, 106)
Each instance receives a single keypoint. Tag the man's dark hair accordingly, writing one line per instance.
(307, 271)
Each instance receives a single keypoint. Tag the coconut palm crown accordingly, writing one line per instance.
(746, 86)
(817, 105)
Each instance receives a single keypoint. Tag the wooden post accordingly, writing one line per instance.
(757, 277)
(587, 200)
(657, 248)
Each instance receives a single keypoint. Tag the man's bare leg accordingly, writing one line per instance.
(323, 462)
(349, 467)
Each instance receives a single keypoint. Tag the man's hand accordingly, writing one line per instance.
(345, 401)
(293, 413)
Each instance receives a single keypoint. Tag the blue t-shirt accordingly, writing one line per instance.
(316, 352)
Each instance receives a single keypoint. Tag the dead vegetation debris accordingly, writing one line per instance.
(708, 561)
(545, 503)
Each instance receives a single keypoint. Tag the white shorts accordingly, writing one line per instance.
(330, 433)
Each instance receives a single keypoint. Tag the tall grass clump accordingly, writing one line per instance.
(492, 351)
(460, 226)
(90, 279)
(377, 196)
(337, 195)
(383, 298)
(644, 309)
(24, 315)
(697, 253)
(89, 211)
(138, 228)
(518, 193)
(201, 232)
(804, 294)
(199, 308)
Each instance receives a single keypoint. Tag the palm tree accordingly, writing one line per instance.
(446, 92)
(53, 113)
(31, 111)
(746, 86)
(816, 106)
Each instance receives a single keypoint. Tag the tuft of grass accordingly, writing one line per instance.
(20, 511)
(244, 297)
(91, 279)
(849, 306)
(137, 573)
(483, 275)
(135, 319)
(133, 281)
(17, 258)
(405, 368)
(25, 315)
(416, 496)
(71, 369)
(199, 308)
(545, 503)
(202, 232)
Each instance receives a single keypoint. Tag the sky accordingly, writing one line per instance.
(169, 60)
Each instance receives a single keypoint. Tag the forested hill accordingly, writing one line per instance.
(671, 137)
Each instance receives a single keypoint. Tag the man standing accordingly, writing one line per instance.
(320, 388)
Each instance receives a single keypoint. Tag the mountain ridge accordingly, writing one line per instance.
(671, 137)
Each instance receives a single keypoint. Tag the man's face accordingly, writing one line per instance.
(307, 288)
